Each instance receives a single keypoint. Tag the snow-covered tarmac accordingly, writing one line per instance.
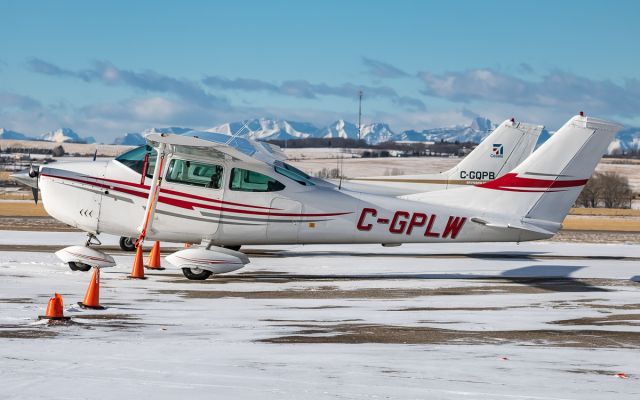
(482, 321)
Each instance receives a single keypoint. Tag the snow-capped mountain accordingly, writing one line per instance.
(62, 135)
(137, 139)
(376, 133)
(268, 129)
(130, 139)
(482, 124)
(339, 129)
(13, 135)
(475, 132)
(171, 129)
(627, 140)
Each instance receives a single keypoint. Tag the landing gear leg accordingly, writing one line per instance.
(92, 240)
(78, 266)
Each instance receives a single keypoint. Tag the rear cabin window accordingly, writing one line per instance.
(250, 181)
(195, 173)
(134, 159)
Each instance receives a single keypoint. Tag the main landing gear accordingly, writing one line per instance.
(127, 244)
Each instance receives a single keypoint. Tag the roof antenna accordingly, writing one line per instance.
(246, 124)
(340, 170)
(360, 115)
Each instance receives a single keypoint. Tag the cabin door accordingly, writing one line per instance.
(284, 220)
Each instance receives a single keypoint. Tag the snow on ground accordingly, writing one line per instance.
(497, 321)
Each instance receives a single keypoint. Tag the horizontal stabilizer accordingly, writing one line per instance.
(526, 225)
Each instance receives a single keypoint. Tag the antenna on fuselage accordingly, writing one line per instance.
(360, 115)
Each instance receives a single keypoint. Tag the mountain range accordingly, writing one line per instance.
(60, 135)
(278, 129)
(269, 129)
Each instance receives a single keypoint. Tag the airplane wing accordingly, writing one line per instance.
(217, 145)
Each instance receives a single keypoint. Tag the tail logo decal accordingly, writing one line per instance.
(497, 150)
(513, 183)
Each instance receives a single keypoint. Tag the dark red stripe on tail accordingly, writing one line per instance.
(513, 183)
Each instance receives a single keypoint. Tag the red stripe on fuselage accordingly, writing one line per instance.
(513, 183)
(189, 205)
(176, 193)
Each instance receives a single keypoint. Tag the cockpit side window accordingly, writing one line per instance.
(134, 159)
(250, 181)
(292, 173)
(195, 173)
(290, 167)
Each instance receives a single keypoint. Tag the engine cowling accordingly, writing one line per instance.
(85, 255)
(217, 262)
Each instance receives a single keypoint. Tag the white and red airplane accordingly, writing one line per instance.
(215, 190)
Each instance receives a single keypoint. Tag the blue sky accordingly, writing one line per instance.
(108, 68)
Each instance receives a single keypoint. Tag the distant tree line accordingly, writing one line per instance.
(379, 150)
(631, 153)
(57, 151)
(328, 173)
(606, 189)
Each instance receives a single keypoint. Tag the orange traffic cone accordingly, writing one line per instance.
(92, 298)
(137, 271)
(154, 257)
(55, 309)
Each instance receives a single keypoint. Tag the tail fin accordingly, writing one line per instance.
(539, 192)
(506, 147)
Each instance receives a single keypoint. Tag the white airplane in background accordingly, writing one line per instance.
(211, 189)
(500, 152)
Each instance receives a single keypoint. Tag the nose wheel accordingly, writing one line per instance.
(196, 274)
(78, 266)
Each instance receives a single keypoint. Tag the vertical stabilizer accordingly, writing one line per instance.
(500, 152)
(539, 192)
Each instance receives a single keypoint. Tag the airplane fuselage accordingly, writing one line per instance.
(110, 197)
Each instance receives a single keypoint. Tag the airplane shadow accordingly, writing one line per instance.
(490, 255)
(553, 278)
(522, 255)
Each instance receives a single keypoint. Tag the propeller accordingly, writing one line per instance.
(34, 172)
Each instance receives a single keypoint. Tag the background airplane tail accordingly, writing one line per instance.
(538, 193)
(500, 152)
(506, 147)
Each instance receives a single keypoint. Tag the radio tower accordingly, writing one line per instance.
(360, 115)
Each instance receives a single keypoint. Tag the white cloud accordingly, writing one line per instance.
(558, 90)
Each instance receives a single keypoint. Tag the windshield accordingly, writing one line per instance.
(134, 159)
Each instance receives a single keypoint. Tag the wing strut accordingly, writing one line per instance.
(154, 191)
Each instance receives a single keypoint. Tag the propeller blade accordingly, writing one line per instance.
(34, 191)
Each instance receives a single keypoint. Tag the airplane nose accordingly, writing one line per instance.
(24, 178)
